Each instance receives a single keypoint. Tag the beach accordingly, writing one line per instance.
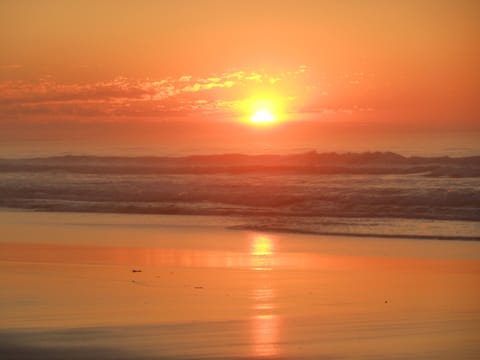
(239, 180)
(118, 286)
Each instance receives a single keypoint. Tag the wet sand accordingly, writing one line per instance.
(103, 286)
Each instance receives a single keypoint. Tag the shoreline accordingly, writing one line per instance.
(232, 224)
(132, 286)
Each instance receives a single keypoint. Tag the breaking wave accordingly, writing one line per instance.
(293, 192)
(310, 163)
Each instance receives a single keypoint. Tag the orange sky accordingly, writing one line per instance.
(404, 63)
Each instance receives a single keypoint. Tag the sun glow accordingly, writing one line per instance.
(264, 110)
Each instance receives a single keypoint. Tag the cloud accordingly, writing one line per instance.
(128, 97)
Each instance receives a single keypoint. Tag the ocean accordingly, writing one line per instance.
(357, 194)
(300, 255)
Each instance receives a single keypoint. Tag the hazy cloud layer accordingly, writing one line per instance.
(218, 94)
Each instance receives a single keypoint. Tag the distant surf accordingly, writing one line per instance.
(313, 163)
(304, 189)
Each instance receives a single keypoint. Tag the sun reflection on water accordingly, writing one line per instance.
(265, 323)
(262, 252)
(263, 299)
(265, 335)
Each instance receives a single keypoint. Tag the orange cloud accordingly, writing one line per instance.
(218, 95)
(128, 97)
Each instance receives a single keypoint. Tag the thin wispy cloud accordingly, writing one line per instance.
(185, 95)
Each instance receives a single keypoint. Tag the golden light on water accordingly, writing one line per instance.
(265, 335)
(261, 252)
(263, 298)
(262, 245)
(265, 323)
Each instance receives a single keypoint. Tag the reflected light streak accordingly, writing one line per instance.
(262, 252)
(265, 335)
(265, 325)
(262, 245)
(263, 299)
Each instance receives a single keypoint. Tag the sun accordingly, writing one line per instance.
(262, 110)
(262, 116)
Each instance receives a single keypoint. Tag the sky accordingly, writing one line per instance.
(123, 68)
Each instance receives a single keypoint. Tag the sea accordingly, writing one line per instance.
(140, 250)
(405, 193)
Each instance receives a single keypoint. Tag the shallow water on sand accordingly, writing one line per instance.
(158, 287)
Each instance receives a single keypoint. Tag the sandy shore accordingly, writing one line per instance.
(103, 286)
